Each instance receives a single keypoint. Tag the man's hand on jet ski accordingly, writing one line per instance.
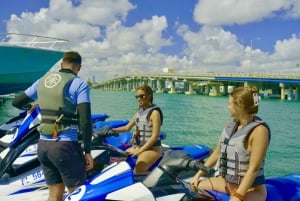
(31, 108)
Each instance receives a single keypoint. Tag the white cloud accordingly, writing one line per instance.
(92, 12)
(143, 37)
(215, 12)
(97, 30)
(294, 11)
(212, 47)
(288, 49)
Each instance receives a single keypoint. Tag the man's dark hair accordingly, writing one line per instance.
(72, 57)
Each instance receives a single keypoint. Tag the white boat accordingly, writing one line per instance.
(24, 62)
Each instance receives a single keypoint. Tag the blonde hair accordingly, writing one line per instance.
(246, 98)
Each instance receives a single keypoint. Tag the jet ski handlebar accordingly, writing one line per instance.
(195, 165)
(177, 161)
(104, 132)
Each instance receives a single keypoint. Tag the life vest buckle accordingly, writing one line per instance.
(57, 121)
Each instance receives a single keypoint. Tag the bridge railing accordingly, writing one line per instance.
(193, 75)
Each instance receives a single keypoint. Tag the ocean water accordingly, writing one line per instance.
(199, 119)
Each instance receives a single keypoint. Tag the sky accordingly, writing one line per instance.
(120, 37)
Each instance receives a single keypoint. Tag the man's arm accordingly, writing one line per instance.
(85, 125)
(86, 128)
(22, 102)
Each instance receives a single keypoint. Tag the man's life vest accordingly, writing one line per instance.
(57, 110)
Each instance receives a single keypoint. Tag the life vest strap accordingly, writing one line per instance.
(50, 117)
(63, 121)
(57, 113)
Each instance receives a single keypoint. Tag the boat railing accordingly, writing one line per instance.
(30, 40)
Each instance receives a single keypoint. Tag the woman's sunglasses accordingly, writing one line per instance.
(141, 96)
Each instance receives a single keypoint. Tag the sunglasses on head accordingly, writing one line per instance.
(141, 96)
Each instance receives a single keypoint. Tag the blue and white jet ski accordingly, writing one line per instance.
(18, 120)
(20, 171)
(165, 182)
(21, 177)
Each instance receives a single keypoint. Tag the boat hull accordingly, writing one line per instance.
(21, 66)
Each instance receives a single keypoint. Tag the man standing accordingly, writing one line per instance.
(64, 100)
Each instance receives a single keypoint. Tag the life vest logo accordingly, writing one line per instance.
(52, 80)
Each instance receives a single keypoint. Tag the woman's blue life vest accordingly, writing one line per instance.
(143, 130)
(233, 162)
(58, 112)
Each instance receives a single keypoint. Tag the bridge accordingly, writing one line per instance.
(214, 84)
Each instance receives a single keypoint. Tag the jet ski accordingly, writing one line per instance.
(14, 129)
(165, 182)
(21, 177)
(18, 120)
(116, 145)
(122, 142)
(20, 170)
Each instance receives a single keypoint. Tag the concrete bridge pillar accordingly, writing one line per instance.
(159, 86)
(214, 91)
(206, 89)
(127, 85)
(130, 84)
(153, 84)
(225, 92)
(134, 85)
(201, 90)
(119, 85)
(282, 93)
(150, 83)
(141, 82)
(290, 93)
(190, 88)
(297, 93)
(172, 89)
(114, 85)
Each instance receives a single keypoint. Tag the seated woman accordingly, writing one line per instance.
(147, 121)
(240, 151)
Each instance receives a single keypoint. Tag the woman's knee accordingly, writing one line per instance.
(213, 183)
(141, 168)
(256, 195)
(205, 184)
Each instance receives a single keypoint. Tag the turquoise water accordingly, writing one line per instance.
(200, 119)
